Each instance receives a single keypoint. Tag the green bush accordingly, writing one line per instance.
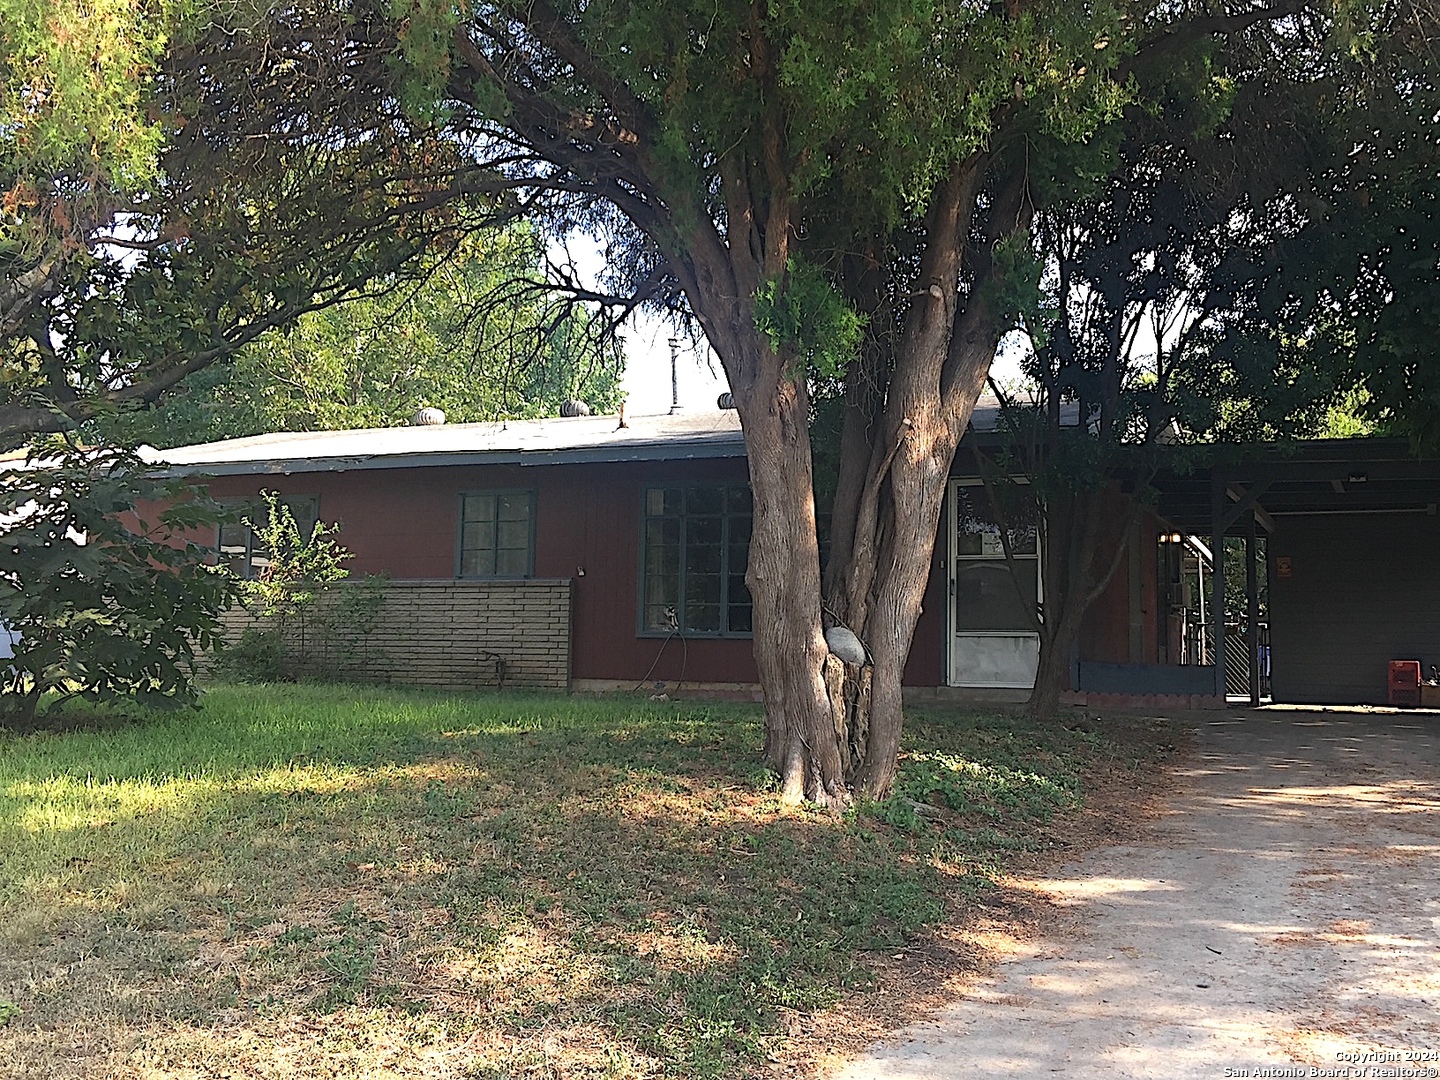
(101, 576)
(258, 657)
(304, 623)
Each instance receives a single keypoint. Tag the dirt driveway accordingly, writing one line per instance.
(1282, 918)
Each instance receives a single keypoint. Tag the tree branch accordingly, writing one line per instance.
(1187, 33)
(547, 25)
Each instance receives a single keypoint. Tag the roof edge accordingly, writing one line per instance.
(713, 449)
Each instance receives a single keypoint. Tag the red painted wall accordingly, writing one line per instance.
(587, 517)
(1105, 631)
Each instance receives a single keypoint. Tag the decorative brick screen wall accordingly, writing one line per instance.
(447, 633)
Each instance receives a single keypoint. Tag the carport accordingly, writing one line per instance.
(1351, 560)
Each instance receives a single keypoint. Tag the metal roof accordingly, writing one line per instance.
(551, 441)
(1321, 476)
(985, 420)
(683, 435)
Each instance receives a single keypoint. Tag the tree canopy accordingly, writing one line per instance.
(1355, 291)
(146, 233)
(472, 336)
(1200, 296)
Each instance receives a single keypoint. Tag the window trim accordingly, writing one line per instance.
(247, 506)
(641, 630)
(529, 573)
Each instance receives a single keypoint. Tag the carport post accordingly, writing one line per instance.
(1252, 608)
(1217, 580)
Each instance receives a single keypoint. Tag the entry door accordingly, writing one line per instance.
(993, 642)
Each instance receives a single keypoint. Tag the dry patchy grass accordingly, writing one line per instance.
(336, 882)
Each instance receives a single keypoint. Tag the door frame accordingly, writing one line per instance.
(951, 663)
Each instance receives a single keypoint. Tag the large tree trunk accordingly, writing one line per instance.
(1052, 678)
(885, 543)
(801, 740)
(917, 492)
(827, 728)
(1078, 568)
(804, 738)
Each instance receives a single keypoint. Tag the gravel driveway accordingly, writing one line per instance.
(1282, 918)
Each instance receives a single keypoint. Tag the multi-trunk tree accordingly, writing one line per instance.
(1243, 274)
(844, 194)
(1141, 284)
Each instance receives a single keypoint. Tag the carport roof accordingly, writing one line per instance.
(1326, 476)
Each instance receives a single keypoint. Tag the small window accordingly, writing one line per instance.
(696, 546)
(241, 549)
(497, 534)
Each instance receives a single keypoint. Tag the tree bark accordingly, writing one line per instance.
(941, 361)
(911, 399)
(803, 741)
(801, 738)
(1074, 580)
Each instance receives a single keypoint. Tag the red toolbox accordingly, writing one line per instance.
(1404, 683)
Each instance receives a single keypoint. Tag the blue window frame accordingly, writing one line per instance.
(696, 543)
(240, 548)
(497, 535)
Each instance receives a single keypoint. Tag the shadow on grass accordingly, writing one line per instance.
(525, 866)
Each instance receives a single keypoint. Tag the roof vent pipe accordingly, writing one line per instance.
(428, 418)
(725, 401)
(574, 407)
(674, 379)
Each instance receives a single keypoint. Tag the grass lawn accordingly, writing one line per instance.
(307, 881)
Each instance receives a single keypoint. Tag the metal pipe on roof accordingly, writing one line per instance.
(674, 378)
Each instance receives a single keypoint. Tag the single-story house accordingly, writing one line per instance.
(583, 554)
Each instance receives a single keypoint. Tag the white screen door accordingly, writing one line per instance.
(993, 642)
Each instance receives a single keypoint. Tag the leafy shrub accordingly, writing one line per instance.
(303, 618)
(100, 576)
(299, 567)
(259, 656)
